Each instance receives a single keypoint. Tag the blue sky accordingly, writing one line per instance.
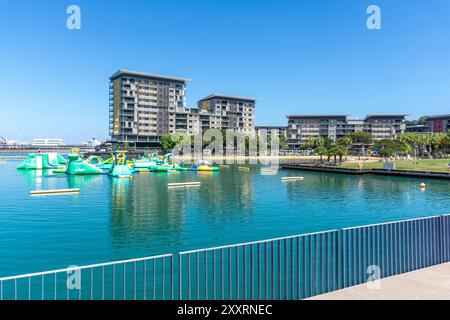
(314, 56)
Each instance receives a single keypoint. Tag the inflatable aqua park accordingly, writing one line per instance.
(168, 164)
(204, 165)
(39, 161)
(120, 167)
(145, 163)
(207, 168)
(79, 166)
(99, 163)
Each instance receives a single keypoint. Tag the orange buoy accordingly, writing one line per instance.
(423, 185)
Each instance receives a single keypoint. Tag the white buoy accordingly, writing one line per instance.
(269, 171)
(291, 178)
(184, 184)
(54, 192)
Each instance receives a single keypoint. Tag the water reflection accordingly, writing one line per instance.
(34, 178)
(114, 219)
(46, 179)
(84, 181)
(227, 196)
(145, 213)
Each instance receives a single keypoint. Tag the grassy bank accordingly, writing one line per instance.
(438, 165)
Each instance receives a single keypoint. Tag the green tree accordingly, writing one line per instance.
(390, 148)
(339, 151)
(361, 137)
(169, 141)
(283, 143)
(422, 120)
(344, 144)
(321, 145)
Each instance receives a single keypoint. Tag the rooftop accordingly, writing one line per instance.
(317, 116)
(437, 117)
(219, 95)
(275, 127)
(417, 126)
(124, 72)
(386, 116)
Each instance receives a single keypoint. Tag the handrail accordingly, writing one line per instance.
(343, 255)
(259, 241)
(394, 222)
(84, 267)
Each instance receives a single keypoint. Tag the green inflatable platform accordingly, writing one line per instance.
(79, 166)
(39, 161)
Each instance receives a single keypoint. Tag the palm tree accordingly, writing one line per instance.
(321, 146)
(339, 150)
(446, 143)
(344, 144)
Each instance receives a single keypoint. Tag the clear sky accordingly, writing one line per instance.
(314, 56)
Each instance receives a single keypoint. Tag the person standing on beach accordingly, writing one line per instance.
(360, 165)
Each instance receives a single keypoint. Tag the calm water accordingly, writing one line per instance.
(116, 219)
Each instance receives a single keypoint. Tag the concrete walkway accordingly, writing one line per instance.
(426, 284)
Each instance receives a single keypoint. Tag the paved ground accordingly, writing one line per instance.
(425, 284)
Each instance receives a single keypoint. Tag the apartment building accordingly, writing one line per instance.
(218, 112)
(302, 127)
(143, 106)
(440, 123)
(418, 128)
(384, 126)
(193, 121)
(229, 112)
(280, 131)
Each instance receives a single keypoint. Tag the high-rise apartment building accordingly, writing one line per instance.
(143, 106)
(229, 112)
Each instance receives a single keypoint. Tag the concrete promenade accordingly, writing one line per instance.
(431, 283)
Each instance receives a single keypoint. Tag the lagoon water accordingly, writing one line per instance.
(114, 219)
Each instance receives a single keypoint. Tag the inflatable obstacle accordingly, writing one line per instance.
(120, 168)
(77, 166)
(205, 165)
(42, 161)
(207, 168)
(143, 163)
(99, 163)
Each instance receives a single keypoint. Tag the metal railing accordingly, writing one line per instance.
(294, 267)
(137, 279)
(280, 268)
